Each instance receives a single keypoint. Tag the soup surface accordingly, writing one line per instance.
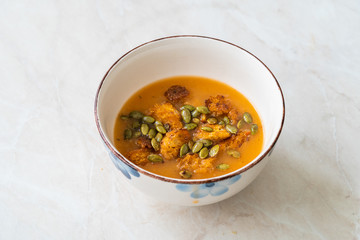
(188, 127)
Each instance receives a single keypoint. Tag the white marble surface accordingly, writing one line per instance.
(56, 180)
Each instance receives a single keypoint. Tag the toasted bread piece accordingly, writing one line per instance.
(219, 133)
(139, 156)
(167, 113)
(172, 141)
(193, 163)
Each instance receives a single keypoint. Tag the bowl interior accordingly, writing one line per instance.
(196, 56)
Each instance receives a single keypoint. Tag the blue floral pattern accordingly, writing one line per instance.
(213, 189)
(124, 168)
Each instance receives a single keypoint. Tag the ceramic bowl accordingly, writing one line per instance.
(196, 56)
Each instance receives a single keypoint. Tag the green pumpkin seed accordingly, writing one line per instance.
(247, 117)
(203, 109)
(136, 115)
(152, 133)
(136, 124)
(155, 144)
(212, 120)
(148, 119)
(160, 128)
(223, 166)
(196, 120)
(204, 152)
(167, 126)
(158, 123)
(184, 150)
(207, 129)
(154, 158)
(137, 134)
(190, 126)
(189, 107)
(221, 122)
(254, 128)
(214, 150)
(185, 174)
(124, 117)
(195, 113)
(206, 142)
(233, 153)
(158, 137)
(197, 147)
(231, 129)
(127, 134)
(240, 123)
(144, 129)
(191, 144)
(186, 115)
(226, 120)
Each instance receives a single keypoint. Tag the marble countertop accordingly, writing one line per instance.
(56, 180)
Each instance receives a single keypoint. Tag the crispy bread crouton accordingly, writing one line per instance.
(235, 141)
(167, 113)
(219, 133)
(172, 141)
(176, 93)
(218, 105)
(193, 163)
(143, 142)
(139, 156)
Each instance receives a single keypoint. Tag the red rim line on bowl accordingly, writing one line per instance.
(175, 180)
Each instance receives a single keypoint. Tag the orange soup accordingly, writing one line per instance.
(188, 127)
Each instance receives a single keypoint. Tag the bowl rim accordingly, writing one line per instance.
(114, 151)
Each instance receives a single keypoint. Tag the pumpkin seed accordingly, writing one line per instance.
(158, 123)
(185, 174)
(158, 137)
(136, 115)
(221, 122)
(155, 144)
(254, 128)
(184, 150)
(152, 133)
(148, 119)
(206, 142)
(203, 109)
(154, 158)
(186, 115)
(136, 124)
(144, 129)
(127, 134)
(204, 152)
(240, 123)
(189, 107)
(167, 126)
(160, 128)
(226, 120)
(231, 129)
(247, 117)
(197, 147)
(124, 117)
(207, 129)
(196, 120)
(195, 113)
(137, 134)
(212, 120)
(233, 153)
(223, 166)
(191, 144)
(214, 150)
(190, 126)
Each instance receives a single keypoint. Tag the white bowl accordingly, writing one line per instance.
(195, 56)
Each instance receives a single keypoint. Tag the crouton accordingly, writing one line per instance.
(176, 93)
(219, 133)
(172, 141)
(139, 156)
(167, 113)
(235, 141)
(218, 105)
(143, 142)
(193, 163)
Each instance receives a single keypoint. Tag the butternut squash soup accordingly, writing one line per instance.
(188, 127)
